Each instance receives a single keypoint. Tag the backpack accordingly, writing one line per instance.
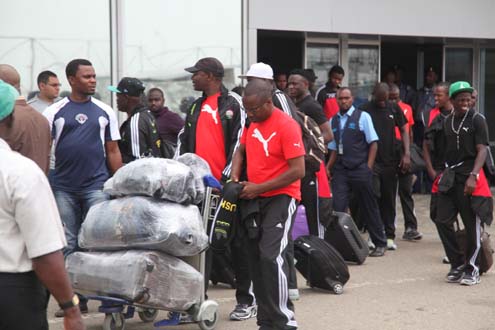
(313, 142)
(489, 166)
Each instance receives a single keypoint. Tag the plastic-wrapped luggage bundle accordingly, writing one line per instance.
(148, 278)
(156, 177)
(138, 222)
(199, 168)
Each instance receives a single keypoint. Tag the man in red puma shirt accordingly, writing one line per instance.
(212, 130)
(274, 152)
(213, 122)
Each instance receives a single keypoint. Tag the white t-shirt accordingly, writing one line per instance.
(30, 224)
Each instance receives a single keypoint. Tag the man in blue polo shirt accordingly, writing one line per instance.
(352, 156)
(85, 133)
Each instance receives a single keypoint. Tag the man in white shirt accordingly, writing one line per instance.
(49, 87)
(31, 240)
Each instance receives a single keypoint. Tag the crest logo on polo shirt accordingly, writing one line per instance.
(81, 118)
(258, 136)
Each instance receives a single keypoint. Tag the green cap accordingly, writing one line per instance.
(8, 95)
(459, 87)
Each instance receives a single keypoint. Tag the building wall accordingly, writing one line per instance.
(440, 18)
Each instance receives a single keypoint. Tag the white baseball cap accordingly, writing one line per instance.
(259, 70)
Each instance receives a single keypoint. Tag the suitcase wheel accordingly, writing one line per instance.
(148, 314)
(114, 321)
(208, 324)
(338, 288)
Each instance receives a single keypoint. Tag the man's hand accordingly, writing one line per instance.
(328, 168)
(73, 319)
(432, 174)
(405, 163)
(250, 190)
(470, 185)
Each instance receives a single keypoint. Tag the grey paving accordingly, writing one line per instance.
(405, 290)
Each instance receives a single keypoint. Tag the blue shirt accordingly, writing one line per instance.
(365, 126)
(79, 131)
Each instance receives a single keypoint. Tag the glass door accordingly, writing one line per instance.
(486, 98)
(321, 57)
(458, 64)
(363, 69)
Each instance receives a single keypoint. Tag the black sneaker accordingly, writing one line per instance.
(379, 251)
(455, 274)
(469, 279)
(412, 234)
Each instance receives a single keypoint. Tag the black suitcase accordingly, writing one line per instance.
(345, 237)
(320, 264)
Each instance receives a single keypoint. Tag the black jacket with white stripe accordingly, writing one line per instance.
(284, 103)
(139, 136)
(232, 116)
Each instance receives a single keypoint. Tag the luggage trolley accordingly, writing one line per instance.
(204, 313)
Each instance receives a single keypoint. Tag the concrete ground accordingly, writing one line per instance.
(405, 290)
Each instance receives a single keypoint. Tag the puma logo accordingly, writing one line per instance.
(212, 112)
(465, 129)
(257, 135)
(297, 145)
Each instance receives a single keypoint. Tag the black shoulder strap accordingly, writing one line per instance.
(336, 122)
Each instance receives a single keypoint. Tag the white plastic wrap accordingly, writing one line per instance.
(199, 168)
(147, 278)
(138, 222)
(161, 178)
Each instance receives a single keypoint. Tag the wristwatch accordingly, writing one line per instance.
(71, 303)
(476, 175)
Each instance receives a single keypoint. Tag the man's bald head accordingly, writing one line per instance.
(380, 87)
(257, 100)
(394, 93)
(10, 75)
(380, 93)
(259, 87)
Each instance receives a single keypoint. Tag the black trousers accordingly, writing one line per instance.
(268, 263)
(406, 200)
(309, 198)
(24, 302)
(359, 180)
(448, 206)
(244, 292)
(446, 232)
(385, 185)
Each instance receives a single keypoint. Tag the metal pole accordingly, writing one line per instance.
(116, 48)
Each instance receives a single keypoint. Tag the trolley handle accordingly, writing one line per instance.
(212, 182)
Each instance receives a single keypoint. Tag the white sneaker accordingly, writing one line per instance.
(391, 244)
(371, 245)
(294, 294)
(243, 312)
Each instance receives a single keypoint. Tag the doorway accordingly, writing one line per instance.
(282, 50)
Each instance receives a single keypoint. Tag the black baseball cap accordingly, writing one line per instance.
(128, 86)
(310, 73)
(207, 64)
(304, 73)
